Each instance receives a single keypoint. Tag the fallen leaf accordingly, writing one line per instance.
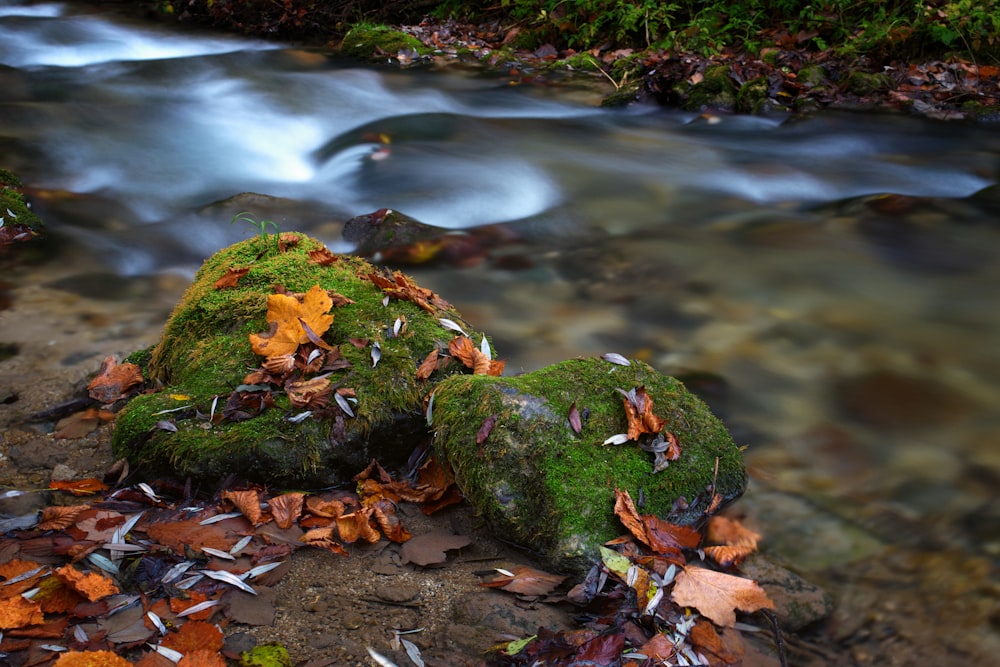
(312, 394)
(194, 636)
(16, 612)
(729, 556)
(202, 658)
(113, 380)
(231, 278)
(639, 411)
(60, 517)
(428, 365)
(526, 581)
(486, 428)
(730, 532)
(575, 422)
(79, 487)
(717, 595)
(81, 424)
(286, 508)
(91, 659)
(92, 585)
(287, 316)
(323, 256)
(354, 526)
(55, 596)
(430, 548)
(247, 502)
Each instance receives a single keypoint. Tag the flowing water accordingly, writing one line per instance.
(829, 284)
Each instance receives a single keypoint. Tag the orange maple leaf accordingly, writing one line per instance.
(718, 595)
(91, 659)
(92, 586)
(193, 636)
(730, 532)
(202, 658)
(292, 321)
(729, 556)
(16, 612)
(113, 380)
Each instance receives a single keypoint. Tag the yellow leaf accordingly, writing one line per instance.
(285, 314)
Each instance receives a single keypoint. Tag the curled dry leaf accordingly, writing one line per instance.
(717, 595)
(730, 532)
(431, 548)
(729, 556)
(113, 380)
(322, 256)
(428, 365)
(247, 502)
(639, 411)
(286, 508)
(313, 394)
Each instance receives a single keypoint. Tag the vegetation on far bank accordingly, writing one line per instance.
(935, 57)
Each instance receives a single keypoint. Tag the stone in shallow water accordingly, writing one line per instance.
(541, 484)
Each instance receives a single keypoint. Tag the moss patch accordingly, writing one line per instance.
(542, 485)
(373, 42)
(205, 354)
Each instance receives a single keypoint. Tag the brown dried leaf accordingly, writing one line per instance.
(575, 422)
(430, 548)
(428, 365)
(717, 595)
(81, 424)
(323, 256)
(526, 581)
(629, 516)
(730, 532)
(247, 502)
(486, 428)
(231, 278)
(462, 348)
(113, 380)
(286, 508)
(60, 517)
(729, 556)
(640, 415)
(356, 525)
(314, 393)
(79, 487)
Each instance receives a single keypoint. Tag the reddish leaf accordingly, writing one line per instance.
(639, 411)
(202, 658)
(729, 556)
(286, 508)
(486, 428)
(231, 278)
(527, 581)
(247, 502)
(193, 636)
(601, 650)
(428, 365)
(574, 418)
(113, 380)
(60, 517)
(730, 532)
(323, 256)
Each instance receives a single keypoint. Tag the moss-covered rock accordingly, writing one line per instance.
(374, 42)
(205, 355)
(753, 96)
(19, 222)
(865, 83)
(716, 90)
(541, 484)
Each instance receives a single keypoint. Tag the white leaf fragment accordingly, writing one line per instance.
(380, 659)
(376, 353)
(241, 545)
(618, 439)
(152, 616)
(449, 324)
(229, 578)
(484, 347)
(344, 405)
(194, 609)
(412, 652)
(615, 358)
(218, 553)
(168, 653)
(219, 517)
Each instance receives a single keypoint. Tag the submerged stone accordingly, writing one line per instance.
(205, 354)
(539, 483)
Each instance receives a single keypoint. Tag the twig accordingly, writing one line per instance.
(773, 620)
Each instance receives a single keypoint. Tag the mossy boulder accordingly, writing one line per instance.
(374, 43)
(541, 484)
(205, 354)
(716, 90)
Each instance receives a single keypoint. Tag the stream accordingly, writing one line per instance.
(828, 284)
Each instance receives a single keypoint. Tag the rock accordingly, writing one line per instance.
(797, 603)
(542, 485)
(205, 353)
(716, 91)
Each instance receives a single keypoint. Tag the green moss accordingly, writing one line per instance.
(715, 91)
(13, 201)
(753, 96)
(266, 655)
(865, 83)
(205, 353)
(370, 42)
(547, 487)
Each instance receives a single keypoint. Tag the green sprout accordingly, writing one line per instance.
(259, 225)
